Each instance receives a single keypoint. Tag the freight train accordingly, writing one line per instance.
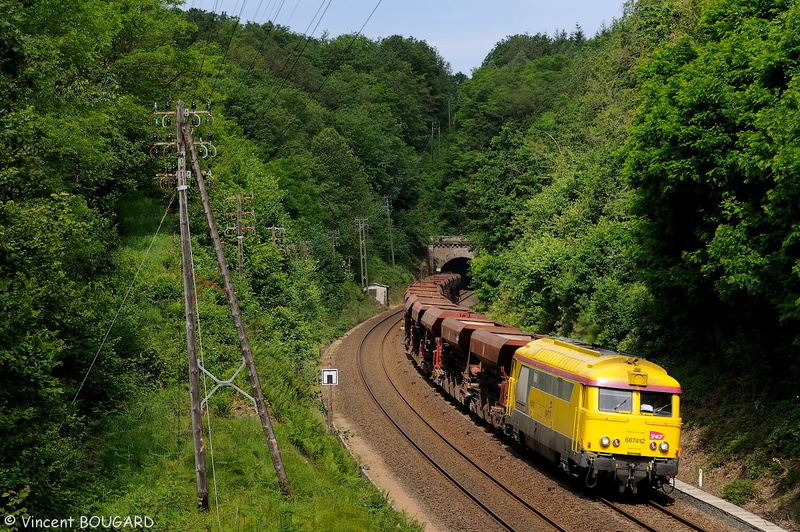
(603, 416)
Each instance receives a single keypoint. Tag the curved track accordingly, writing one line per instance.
(478, 499)
(443, 466)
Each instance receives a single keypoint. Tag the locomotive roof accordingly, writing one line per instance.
(596, 367)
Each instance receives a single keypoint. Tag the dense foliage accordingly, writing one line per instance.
(635, 189)
(713, 159)
(92, 357)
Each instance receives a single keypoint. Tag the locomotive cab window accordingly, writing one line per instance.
(657, 404)
(522, 389)
(615, 400)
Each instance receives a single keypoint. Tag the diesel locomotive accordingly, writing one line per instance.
(604, 416)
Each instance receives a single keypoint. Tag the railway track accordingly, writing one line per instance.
(663, 509)
(471, 466)
(674, 522)
(417, 434)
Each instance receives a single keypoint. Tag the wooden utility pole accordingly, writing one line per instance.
(261, 407)
(243, 207)
(239, 235)
(190, 303)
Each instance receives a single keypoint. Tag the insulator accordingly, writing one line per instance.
(156, 122)
(208, 105)
(209, 136)
(169, 137)
(208, 120)
(168, 121)
(195, 121)
(155, 152)
(155, 137)
(194, 105)
(169, 105)
(155, 106)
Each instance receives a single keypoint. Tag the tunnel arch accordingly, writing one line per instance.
(460, 265)
(450, 253)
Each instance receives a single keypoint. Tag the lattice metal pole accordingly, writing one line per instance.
(361, 223)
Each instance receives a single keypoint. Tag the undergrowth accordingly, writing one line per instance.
(754, 432)
(142, 451)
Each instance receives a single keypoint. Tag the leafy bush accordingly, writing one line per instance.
(739, 492)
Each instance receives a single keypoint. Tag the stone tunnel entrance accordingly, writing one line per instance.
(459, 265)
(450, 254)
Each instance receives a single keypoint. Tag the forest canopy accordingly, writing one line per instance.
(635, 189)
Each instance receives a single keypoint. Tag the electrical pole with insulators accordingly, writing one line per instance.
(190, 303)
(333, 238)
(243, 220)
(389, 222)
(361, 224)
(244, 342)
(186, 145)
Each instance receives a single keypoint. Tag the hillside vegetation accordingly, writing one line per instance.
(636, 189)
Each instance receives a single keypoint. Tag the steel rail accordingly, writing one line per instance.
(425, 455)
(675, 516)
(628, 516)
(644, 525)
(477, 466)
(533, 510)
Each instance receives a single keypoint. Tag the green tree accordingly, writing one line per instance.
(709, 157)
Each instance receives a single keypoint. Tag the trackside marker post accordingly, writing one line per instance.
(330, 378)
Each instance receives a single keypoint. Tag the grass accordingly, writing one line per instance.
(147, 449)
(143, 451)
(754, 435)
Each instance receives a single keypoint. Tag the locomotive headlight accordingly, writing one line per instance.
(653, 446)
(605, 441)
(663, 447)
(616, 442)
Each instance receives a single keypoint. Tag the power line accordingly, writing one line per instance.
(267, 33)
(205, 49)
(124, 299)
(230, 43)
(334, 69)
(300, 54)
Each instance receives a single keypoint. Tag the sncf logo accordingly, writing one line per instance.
(656, 435)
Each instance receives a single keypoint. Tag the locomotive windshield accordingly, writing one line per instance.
(615, 400)
(659, 404)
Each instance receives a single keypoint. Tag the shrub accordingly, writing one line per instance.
(739, 491)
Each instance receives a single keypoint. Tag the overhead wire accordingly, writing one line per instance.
(300, 53)
(205, 390)
(266, 35)
(205, 51)
(124, 300)
(230, 43)
(335, 68)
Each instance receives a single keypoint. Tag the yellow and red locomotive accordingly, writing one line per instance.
(599, 414)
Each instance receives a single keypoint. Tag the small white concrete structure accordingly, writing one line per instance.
(380, 292)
